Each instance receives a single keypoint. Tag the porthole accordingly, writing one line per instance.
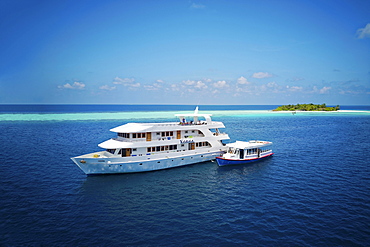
(158, 162)
(141, 164)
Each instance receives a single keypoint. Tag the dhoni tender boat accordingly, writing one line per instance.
(141, 147)
(241, 152)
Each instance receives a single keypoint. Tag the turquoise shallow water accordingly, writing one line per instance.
(158, 115)
(313, 192)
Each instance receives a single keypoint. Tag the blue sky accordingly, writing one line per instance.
(185, 52)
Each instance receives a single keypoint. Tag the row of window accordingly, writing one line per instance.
(251, 151)
(138, 135)
(161, 148)
(142, 135)
(202, 144)
(124, 135)
(167, 133)
(134, 135)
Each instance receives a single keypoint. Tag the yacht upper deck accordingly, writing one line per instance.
(184, 123)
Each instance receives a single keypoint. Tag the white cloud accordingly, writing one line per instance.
(324, 90)
(243, 80)
(261, 75)
(189, 82)
(106, 87)
(134, 84)
(128, 82)
(272, 84)
(160, 81)
(75, 85)
(364, 32)
(123, 81)
(245, 89)
(153, 87)
(197, 6)
(294, 88)
(321, 91)
(200, 85)
(220, 84)
(196, 84)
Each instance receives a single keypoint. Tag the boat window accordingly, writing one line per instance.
(138, 135)
(111, 151)
(124, 135)
(167, 133)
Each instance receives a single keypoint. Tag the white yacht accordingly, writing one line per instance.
(141, 147)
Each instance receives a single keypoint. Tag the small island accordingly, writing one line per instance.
(307, 107)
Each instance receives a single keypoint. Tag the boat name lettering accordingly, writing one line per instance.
(186, 141)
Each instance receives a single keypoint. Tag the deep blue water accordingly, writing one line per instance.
(315, 190)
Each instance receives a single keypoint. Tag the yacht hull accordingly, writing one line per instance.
(95, 166)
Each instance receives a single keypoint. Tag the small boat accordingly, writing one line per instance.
(241, 152)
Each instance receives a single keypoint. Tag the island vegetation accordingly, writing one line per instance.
(307, 107)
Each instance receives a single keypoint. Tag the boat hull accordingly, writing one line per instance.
(94, 166)
(228, 162)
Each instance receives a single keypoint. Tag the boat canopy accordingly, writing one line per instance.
(248, 145)
(133, 128)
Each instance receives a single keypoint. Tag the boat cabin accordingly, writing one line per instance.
(248, 150)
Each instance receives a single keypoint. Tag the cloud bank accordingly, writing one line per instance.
(75, 85)
(364, 32)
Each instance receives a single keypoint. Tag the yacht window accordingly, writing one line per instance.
(111, 151)
(124, 135)
(134, 149)
(138, 135)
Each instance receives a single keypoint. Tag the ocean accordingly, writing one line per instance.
(314, 191)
